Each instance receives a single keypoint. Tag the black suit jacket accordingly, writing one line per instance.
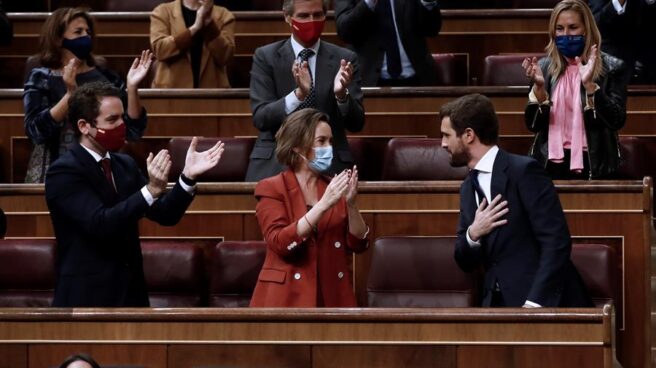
(272, 80)
(529, 257)
(357, 24)
(99, 261)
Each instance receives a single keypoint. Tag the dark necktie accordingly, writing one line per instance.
(388, 38)
(107, 169)
(310, 99)
(473, 174)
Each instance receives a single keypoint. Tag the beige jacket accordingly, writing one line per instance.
(171, 40)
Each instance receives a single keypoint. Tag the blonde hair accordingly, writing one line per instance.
(592, 37)
(297, 131)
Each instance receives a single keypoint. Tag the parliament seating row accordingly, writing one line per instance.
(255, 5)
(451, 70)
(395, 159)
(405, 272)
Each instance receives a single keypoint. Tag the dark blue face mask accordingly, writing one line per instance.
(570, 46)
(80, 47)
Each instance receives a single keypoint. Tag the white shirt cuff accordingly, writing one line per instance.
(532, 305)
(187, 188)
(291, 102)
(619, 8)
(532, 98)
(430, 5)
(147, 196)
(472, 244)
(370, 3)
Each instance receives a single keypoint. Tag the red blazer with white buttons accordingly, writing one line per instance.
(296, 269)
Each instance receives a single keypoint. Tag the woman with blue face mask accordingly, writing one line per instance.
(577, 100)
(311, 222)
(66, 61)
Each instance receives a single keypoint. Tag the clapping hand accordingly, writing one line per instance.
(158, 172)
(70, 71)
(343, 79)
(586, 70)
(139, 69)
(301, 73)
(352, 186)
(533, 71)
(197, 163)
(337, 188)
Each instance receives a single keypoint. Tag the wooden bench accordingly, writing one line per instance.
(318, 338)
(615, 210)
(121, 36)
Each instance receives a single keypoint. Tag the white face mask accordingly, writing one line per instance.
(323, 158)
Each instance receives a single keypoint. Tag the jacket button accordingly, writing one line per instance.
(338, 244)
(297, 276)
(340, 275)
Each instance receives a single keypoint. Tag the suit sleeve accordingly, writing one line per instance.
(278, 229)
(354, 20)
(169, 208)
(354, 117)
(219, 37)
(69, 194)
(467, 257)
(268, 109)
(430, 21)
(549, 227)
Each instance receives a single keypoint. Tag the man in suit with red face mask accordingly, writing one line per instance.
(301, 72)
(96, 198)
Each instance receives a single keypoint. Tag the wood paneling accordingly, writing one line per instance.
(240, 356)
(534, 357)
(146, 356)
(598, 209)
(323, 337)
(13, 356)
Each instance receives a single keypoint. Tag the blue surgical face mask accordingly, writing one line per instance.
(80, 47)
(570, 46)
(323, 157)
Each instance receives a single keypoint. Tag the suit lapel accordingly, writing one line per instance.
(94, 173)
(325, 70)
(498, 186)
(294, 195)
(284, 66)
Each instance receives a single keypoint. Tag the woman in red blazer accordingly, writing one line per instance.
(310, 223)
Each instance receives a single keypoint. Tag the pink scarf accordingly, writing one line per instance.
(566, 127)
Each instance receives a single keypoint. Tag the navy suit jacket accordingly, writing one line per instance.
(99, 261)
(272, 80)
(358, 25)
(529, 257)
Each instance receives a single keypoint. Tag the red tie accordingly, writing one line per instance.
(107, 168)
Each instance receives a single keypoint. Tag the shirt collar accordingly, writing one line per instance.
(297, 47)
(486, 162)
(95, 154)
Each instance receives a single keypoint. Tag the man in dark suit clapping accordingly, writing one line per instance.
(96, 198)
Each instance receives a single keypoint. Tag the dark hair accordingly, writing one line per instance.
(297, 131)
(288, 6)
(79, 357)
(52, 34)
(473, 111)
(84, 103)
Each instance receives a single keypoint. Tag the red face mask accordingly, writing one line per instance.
(111, 139)
(308, 32)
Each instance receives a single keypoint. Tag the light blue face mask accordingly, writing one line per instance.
(323, 157)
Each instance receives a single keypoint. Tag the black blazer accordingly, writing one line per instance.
(358, 25)
(272, 80)
(99, 261)
(529, 257)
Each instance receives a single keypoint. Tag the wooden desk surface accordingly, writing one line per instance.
(314, 337)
